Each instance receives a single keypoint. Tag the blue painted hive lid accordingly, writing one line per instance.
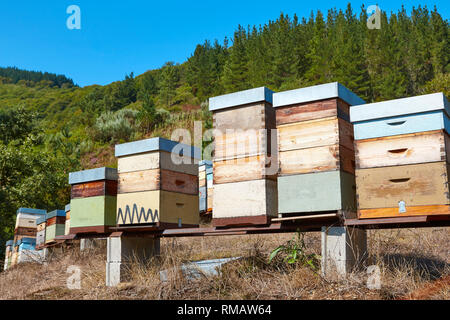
(207, 163)
(316, 93)
(400, 107)
(38, 212)
(157, 144)
(56, 213)
(10, 243)
(26, 241)
(41, 220)
(67, 208)
(209, 171)
(240, 98)
(90, 175)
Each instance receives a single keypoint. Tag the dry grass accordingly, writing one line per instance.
(410, 260)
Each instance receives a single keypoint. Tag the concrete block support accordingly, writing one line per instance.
(343, 249)
(123, 250)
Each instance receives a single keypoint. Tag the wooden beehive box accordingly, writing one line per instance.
(316, 153)
(27, 250)
(40, 234)
(55, 225)
(26, 221)
(402, 160)
(243, 184)
(158, 183)
(93, 200)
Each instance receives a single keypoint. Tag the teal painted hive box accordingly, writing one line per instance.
(93, 200)
(401, 116)
(55, 225)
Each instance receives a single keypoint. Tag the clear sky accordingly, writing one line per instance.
(117, 37)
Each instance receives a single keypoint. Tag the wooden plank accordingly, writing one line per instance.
(241, 221)
(314, 216)
(94, 189)
(312, 110)
(244, 117)
(401, 125)
(316, 192)
(410, 211)
(25, 231)
(93, 211)
(157, 160)
(416, 185)
(412, 148)
(308, 134)
(55, 220)
(319, 159)
(242, 169)
(157, 206)
(239, 143)
(156, 179)
(246, 198)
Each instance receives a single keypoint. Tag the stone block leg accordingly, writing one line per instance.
(343, 249)
(123, 250)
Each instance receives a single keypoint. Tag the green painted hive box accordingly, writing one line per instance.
(93, 200)
(55, 225)
(317, 192)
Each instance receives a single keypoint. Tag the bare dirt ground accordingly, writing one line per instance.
(413, 264)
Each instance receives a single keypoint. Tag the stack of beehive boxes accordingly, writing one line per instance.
(204, 172)
(316, 153)
(26, 226)
(40, 235)
(402, 160)
(8, 254)
(67, 228)
(158, 183)
(55, 225)
(245, 186)
(93, 200)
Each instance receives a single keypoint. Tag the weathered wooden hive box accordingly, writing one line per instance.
(27, 250)
(158, 183)
(204, 172)
(316, 153)
(55, 225)
(402, 161)
(67, 228)
(40, 234)
(93, 200)
(26, 222)
(244, 182)
(8, 253)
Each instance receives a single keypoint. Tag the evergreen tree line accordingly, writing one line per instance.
(31, 78)
(402, 58)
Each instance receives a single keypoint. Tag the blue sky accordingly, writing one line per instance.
(117, 37)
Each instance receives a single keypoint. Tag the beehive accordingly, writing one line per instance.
(67, 227)
(8, 253)
(26, 223)
(204, 173)
(402, 161)
(316, 153)
(40, 234)
(93, 200)
(244, 184)
(158, 183)
(55, 225)
(27, 250)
